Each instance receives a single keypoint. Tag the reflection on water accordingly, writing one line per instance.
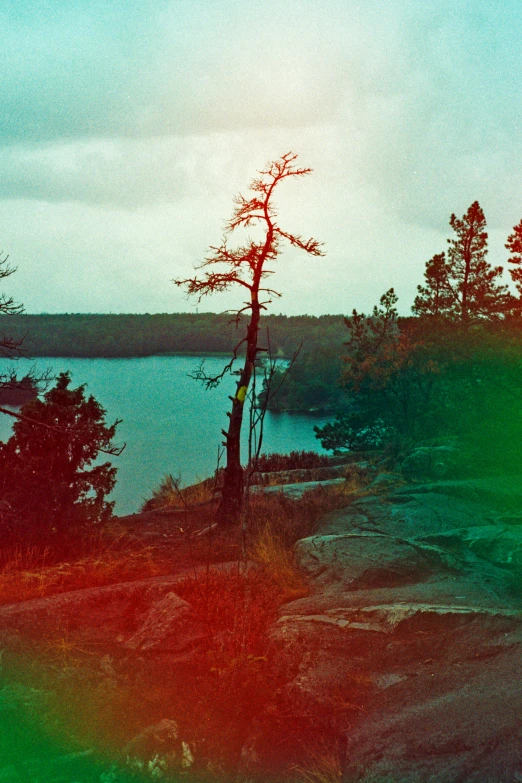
(171, 424)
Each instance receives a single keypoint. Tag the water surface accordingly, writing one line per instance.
(171, 424)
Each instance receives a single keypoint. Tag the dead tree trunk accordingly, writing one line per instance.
(229, 510)
(245, 267)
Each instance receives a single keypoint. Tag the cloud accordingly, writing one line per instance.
(81, 70)
(126, 130)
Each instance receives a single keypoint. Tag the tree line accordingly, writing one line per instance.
(128, 335)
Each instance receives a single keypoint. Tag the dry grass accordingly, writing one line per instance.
(322, 766)
(292, 519)
(27, 573)
(237, 607)
(269, 550)
(268, 463)
(219, 699)
(170, 493)
(275, 522)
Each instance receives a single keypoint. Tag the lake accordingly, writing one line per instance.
(171, 424)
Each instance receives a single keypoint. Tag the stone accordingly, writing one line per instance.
(431, 462)
(454, 720)
(366, 559)
(299, 475)
(296, 490)
(497, 544)
(157, 750)
(384, 481)
(409, 653)
(169, 626)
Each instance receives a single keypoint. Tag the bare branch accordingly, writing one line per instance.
(8, 306)
(211, 381)
(311, 246)
(211, 282)
(5, 268)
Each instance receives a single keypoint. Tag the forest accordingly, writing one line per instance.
(126, 335)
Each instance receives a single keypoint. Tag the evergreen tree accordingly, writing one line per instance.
(473, 280)
(436, 297)
(10, 347)
(464, 286)
(388, 383)
(514, 245)
(46, 486)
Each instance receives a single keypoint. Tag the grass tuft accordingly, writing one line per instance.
(269, 550)
(170, 493)
(323, 765)
(270, 463)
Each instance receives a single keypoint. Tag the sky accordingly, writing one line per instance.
(126, 129)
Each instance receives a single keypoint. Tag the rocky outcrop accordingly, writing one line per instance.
(296, 491)
(432, 462)
(363, 559)
(407, 652)
(142, 616)
(403, 660)
(300, 475)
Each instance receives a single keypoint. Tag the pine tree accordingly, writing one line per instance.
(514, 245)
(436, 297)
(245, 267)
(48, 486)
(473, 280)
(463, 286)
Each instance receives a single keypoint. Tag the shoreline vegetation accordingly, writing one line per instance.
(184, 334)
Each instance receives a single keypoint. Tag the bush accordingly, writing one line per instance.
(46, 489)
(269, 463)
(170, 493)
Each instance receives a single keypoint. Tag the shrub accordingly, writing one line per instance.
(46, 486)
(170, 493)
(268, 463)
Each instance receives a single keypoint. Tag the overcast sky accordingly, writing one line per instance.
(127, 128)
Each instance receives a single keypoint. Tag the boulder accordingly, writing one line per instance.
(366, 559)
(158, 750)
(169, 626)
(297, 490)
(431, 462)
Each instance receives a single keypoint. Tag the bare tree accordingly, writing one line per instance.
(10, 347)
(245, 266)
